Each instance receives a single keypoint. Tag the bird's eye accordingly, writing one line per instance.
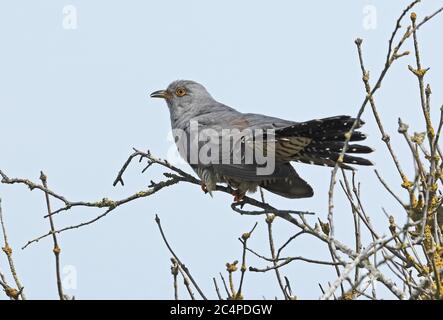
(180, 92)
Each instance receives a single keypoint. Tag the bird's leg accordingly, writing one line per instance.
(238, 195)
(204, 188)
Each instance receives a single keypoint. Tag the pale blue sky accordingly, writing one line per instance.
(74, 103)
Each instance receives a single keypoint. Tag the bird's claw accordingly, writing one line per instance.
(204, 188)
(238, 196)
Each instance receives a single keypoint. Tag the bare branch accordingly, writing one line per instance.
(8, 251)
(182, 266)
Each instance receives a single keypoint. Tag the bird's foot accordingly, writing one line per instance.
(238, 195)
(204, 188)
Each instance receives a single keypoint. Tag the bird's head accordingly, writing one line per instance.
(183, 94)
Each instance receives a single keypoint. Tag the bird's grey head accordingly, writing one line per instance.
(184, 98)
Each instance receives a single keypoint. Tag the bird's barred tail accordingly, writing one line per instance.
(326, 141)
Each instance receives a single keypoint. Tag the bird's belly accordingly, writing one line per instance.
(210, 179)
(243, 186)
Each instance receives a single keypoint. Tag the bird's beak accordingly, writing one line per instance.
(160, 94)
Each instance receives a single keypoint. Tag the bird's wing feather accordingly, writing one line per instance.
(248, 172)
(317, 141)
(292, 186)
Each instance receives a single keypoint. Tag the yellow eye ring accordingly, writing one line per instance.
(180, 92)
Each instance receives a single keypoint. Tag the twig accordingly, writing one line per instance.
(8, 251)
(269, 221)
(56, 248)
(231, 268)
(186, 283)
(295, 236)
(357, 230)
(289, 260)
(217, 290)
(244, 240)
(397, 27)
(174, 272)
(288, 289)
(173, 179)
(182, 266)
(347, 270)
(111, 205)
(383, 182)
(225, 286)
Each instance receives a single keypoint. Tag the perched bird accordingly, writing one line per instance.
(317, 142)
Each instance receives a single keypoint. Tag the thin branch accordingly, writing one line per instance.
(174, 272)
(56, 250)
(244, 240)
(217, 290)
(225, 286)
(295, 236)
(383, 182)
(269, 221)
(182, 266)
(291, 259)
(187, 283)
(173, 179)
(8, 251)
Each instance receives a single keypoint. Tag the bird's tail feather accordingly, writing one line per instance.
(328, 138)
(340, 136)
(337, 146)
(320, 127)
(329, 159)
